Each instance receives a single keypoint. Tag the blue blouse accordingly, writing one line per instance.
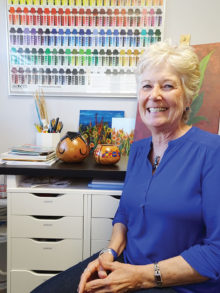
(176, 211)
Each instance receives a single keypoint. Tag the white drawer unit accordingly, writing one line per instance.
(101, 228)
(104, 205)
(47, 227)
(45, 235)
(33, 254)
(51, 229)
(103, 209)
(46, 204)
(23, 281)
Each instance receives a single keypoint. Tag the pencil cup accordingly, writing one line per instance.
(47, 139)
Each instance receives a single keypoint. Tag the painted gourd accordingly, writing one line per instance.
(106, 154)
(72, 148)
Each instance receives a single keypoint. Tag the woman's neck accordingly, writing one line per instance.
(160, 140)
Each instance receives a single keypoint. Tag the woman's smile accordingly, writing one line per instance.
(156, 110)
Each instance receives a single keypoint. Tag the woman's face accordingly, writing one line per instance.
(161, 99)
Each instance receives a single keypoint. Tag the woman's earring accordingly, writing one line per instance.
(187, 108)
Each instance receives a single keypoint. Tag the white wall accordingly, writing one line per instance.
(17, 113)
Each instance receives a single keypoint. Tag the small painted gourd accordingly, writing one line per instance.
(106, 154)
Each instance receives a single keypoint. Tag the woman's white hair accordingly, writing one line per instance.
(181, 58)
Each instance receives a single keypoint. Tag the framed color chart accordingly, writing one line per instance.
(79, 47)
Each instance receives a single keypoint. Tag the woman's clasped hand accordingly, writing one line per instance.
(104, 275)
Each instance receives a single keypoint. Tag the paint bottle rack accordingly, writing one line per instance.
(63, 42)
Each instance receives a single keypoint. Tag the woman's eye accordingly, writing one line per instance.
(147, 86)
(168, 86)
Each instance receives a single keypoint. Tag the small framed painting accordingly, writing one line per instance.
(96, 125)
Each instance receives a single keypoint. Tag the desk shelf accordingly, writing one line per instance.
(88, 168)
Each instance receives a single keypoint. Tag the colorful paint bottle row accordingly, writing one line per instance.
(41, 76)
(75, 57)
(86, 17)
(83, 38)
(88, 2)
(54, 76)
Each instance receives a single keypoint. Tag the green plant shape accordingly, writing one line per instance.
(195, 107)
(202, 66)
(198, 100)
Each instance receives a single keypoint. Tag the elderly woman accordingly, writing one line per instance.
(167, 226)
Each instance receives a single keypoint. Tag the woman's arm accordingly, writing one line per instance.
(118, 238)
(174, 271)
(123, 277)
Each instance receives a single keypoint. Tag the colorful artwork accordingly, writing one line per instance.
(123, 140)
(79, 47)
(123, 133)
(95, 126)
(205, 109)
(210, 106)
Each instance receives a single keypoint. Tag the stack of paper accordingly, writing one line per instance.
(29, 155)
(106, 184)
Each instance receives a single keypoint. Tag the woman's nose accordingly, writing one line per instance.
(155, 93)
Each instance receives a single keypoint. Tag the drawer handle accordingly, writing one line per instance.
(43, 272)
(47, 194)
(47, 217)
(47, 239)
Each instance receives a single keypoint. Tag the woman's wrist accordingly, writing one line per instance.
(110, 251)
(146, 275)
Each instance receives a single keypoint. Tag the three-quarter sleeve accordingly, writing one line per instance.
(205, 257)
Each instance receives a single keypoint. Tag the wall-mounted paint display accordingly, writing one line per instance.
(80, 47)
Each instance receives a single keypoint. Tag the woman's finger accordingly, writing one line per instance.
(86, 275)
(104, 259)
(102, 273)
(95, 285)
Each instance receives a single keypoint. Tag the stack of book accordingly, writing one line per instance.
(106, 184)
(29, 155)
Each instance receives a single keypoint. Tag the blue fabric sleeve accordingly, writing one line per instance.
(120, 215)
(205, 257)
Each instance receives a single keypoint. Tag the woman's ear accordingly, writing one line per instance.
(187, 104)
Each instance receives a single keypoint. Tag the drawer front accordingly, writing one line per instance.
(26, 281)
(46, 204)
(97, 245)
(29, 254)
(32, 227)
(101, 228)
(104, 206)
